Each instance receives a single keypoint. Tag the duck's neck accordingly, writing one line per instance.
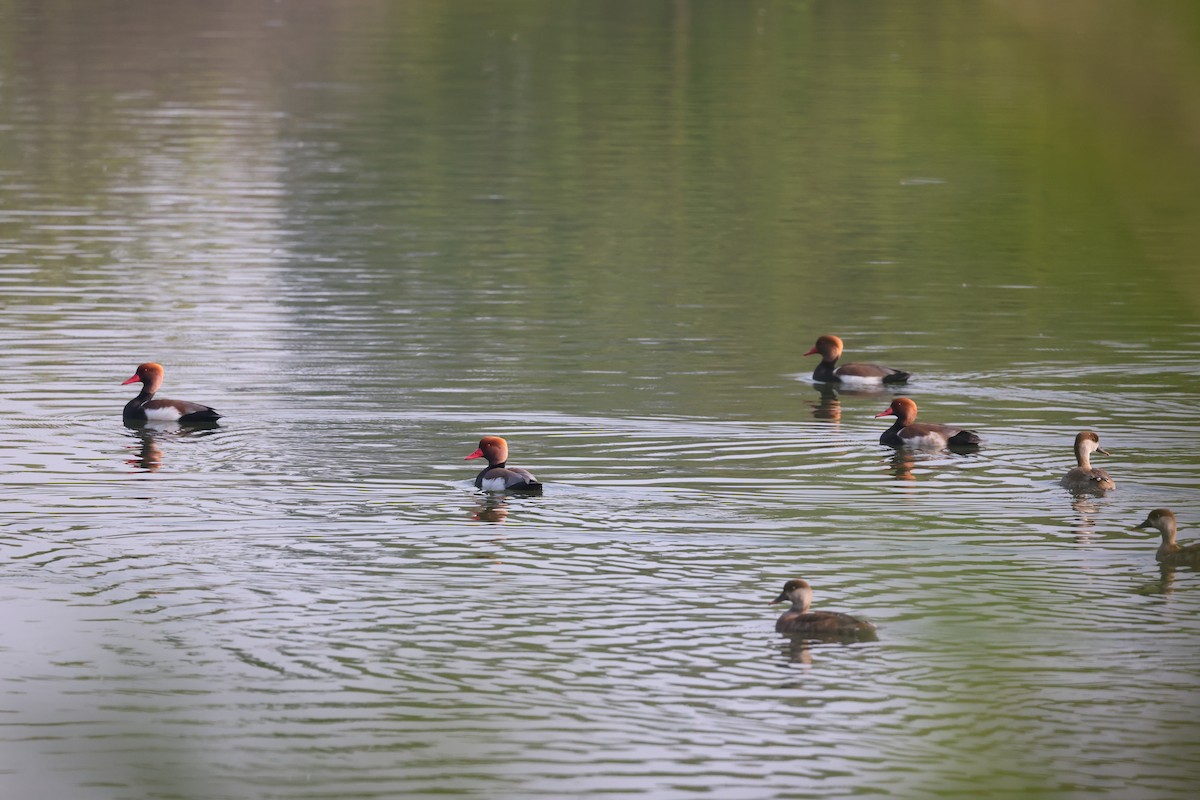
(1083, 457)
(801, 603)
(824, 370)
(1168, 537)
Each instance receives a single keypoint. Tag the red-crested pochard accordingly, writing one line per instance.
(907, 432)
(145, 407)
(496, 476)
(1084, 478)
(1169, 552)
(816, 624)
(830, 348)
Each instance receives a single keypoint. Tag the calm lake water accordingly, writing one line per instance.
(371, 232)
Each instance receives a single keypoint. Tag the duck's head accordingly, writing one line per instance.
(1087, 442)
(797, 592)
(150, 374)
(493, 448)
(829, 346)
(1162, 519)
(902, 408)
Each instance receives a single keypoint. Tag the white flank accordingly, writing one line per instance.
(164, 414)
(928, 440)
(493, 485)
(860, 380)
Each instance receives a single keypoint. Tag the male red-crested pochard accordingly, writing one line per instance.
(830, 348)
(1170, 552)
(145, 407)
(816, 624)
(1084, 478)
(907, 432)
(497, 476)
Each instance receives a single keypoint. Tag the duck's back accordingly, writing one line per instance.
(499, 479)
(931, 434)
(1087, 480)
(870, 373)
(823, 623)
(1185, 554)
(163, 409)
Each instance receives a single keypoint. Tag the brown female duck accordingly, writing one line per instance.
(1171, 552)
(1084, 478)
(816, 624)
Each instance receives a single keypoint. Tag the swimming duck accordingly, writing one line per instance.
(830, 348)
(496, 476)
(145, 407)
(1170, 552)
(907, 432)
(816, 624)
(1084, 478)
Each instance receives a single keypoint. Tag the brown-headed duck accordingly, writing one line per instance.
(145, 407)
(907, 432)
(816, 624)
(497, 476)
(830, 349)
(1170, 551)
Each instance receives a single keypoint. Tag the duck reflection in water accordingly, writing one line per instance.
(148, 455)
(901, 463)
(147, 452)
(1085, 519)
(491, 508)
(829, 405)
(1165, 584)
(799, 650)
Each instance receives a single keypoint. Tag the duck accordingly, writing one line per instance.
(907, 432)
(1171, 552)
(497, 476)
(816, 624)
(144, 407)
(1084, 478)
(830, 349)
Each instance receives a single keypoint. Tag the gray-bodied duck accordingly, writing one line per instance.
(146, 407)
(907, 432)
(830, 349)
(497, 476)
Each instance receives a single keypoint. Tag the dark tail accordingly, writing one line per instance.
(897, 377)
(200, 417)
(965, 439)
